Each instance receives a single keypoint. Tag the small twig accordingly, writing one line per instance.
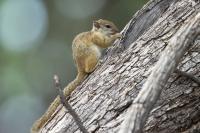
(67, 105)
(188, 75)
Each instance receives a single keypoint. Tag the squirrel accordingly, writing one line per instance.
(86, 53)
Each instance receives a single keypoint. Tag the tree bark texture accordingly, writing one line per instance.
(156, 81)
(103, 99)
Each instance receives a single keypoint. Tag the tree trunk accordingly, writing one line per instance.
(103, 99)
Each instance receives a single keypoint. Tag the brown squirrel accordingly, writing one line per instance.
(86, 53)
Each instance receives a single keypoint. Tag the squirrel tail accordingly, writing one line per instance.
(52, 108)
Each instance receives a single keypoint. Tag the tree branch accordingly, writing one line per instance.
(151, 90)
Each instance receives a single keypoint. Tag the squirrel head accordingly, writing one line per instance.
(105, 27)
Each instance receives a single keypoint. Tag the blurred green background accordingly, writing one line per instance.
(35, 44)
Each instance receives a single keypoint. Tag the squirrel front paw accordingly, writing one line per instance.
(117, 35)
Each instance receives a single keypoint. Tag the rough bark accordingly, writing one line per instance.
(167, 63)
(103, 98)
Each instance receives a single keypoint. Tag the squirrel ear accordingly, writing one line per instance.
(96, 24)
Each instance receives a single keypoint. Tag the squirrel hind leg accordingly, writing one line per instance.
(90, 64)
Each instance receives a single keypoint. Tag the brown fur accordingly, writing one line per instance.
(86, 53)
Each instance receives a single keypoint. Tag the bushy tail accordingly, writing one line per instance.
(52, 108)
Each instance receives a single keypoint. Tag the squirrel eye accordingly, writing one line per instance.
(107, 26)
